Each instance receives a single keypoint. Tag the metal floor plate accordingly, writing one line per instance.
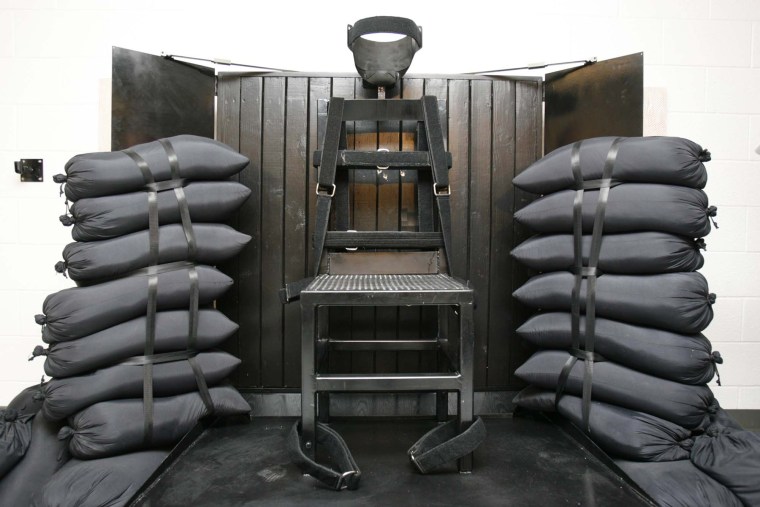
(526, 462)
(394, 283)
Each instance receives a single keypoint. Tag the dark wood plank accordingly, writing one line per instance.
(228, 120)
(249, 276)
(439, 88)
(364, 210)
(319, 89)
(527, 150)
(459, 176)
(340, 318)
(272, 204)
(294, 253)
(501, 321)
(479, 257)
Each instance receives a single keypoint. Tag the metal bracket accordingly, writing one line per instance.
(30, 169)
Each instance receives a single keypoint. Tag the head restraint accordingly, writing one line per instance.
(384, 63)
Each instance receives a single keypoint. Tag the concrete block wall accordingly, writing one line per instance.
(702, 74)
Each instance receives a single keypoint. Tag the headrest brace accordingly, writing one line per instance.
(384, 63)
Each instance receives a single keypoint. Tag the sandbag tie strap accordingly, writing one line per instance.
(716, 359)
(39, 350)
(596, 184)
(444, 444)
(346, 476)
(704, 156)
(141, 164)
(179, 192)
(587, 271)
(163, 186)
(164, 357)
(700, 244)
(585, 355)
(200, 381)
(712, 212)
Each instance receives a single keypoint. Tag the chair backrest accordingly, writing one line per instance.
(416, 243)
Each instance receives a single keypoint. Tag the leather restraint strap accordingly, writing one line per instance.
(444, 444)
(384, 63)
(438, 159)
(590, 273)
(345, 477)
(326, 179)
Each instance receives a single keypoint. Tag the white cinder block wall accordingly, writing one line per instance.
(702, 73)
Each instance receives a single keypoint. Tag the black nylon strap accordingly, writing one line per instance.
(141, 164)
(192, 337)
(162, 186)
(346, 476)
(164, 357)
(575, 309)
(326, 178)
(153, 232)
(150, 340)
(596, 184)
(179, 192)
(445, 443)
(385, 24)
(596, 245)
(200, 380)
(438, 162)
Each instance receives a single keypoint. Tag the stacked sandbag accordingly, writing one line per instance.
(132, 349)
(621, 305)
(16, 427)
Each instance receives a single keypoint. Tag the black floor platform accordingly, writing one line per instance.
(523, 462)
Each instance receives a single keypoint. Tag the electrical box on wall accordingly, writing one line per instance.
(30, 169)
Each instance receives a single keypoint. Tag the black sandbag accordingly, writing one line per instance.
(666, 160)
(618, 431)
(732, 458)
(720, 420)
(117, 427)
(16, 426)
(110, 482)
(114, 172)
(93, 261)
(117, 343)
(678, 302)
(45, 455)
(81, 311)
(101, 218)
(678, 484)
(631, 207)
(683, 358)
(15, 435)
(67, 396)
(682, 404)
(29, 400)
(637, 253)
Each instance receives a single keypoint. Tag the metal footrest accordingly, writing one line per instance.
(386, 283)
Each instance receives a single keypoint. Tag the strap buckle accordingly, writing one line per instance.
(383, 167)
(441, 191)
(322, 192)
(343, 480)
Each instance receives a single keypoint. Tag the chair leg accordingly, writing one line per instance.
(308, 386)
(467, 359)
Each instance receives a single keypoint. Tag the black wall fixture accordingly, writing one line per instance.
(29, 169)
(154, 97)
(605, 98)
